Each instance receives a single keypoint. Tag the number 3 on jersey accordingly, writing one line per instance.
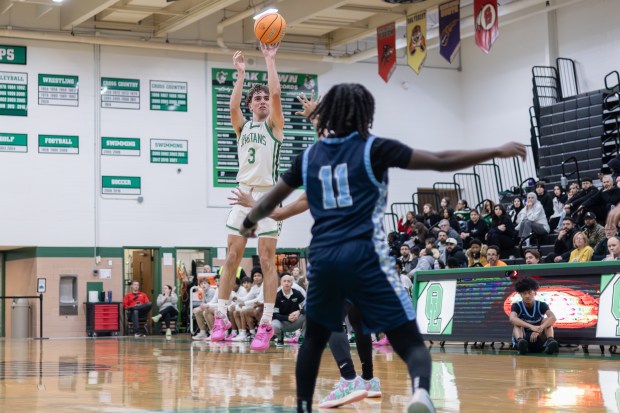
(330, 201)
(252, 153)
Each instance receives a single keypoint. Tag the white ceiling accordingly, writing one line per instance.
(316, 29)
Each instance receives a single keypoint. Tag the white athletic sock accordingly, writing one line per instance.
(221, 307)
(252, 332)
(267, 313)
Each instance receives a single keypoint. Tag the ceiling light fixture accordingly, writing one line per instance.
(268, 11)
(57, 1)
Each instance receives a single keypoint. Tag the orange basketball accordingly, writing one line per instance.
(270, 28)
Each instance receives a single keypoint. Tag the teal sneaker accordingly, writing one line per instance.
(345, 392)
(373, 387)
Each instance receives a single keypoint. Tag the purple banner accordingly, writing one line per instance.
(449, 29)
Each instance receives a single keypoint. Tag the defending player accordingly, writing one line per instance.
(345, 176)
(258, 147)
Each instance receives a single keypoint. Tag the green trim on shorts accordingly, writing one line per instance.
(233, 228)
(268, 233)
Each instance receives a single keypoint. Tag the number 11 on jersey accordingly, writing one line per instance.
(330, 201)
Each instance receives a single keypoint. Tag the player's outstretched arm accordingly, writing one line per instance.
(265, 207)
(236, 115)
(446, 161)
(279, 214)
(276, 116)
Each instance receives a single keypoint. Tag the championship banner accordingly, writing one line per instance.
(386, 50)
(485, 20)
(416, 40)
(449, 29)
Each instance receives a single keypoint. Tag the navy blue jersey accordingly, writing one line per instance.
(346, 184)
(533, 316)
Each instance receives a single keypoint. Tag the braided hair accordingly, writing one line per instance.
(346, 108)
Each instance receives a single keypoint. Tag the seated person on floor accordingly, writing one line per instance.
(167, 303)
(137, 305)
(288, 313)
(208, 295)
(532, 321)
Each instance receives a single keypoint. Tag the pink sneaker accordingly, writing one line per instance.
(292, 340)
(263, 336)
(383, 342)
(219, 329)
(230, 337)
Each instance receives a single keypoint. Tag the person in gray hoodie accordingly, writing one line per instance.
(167, 303)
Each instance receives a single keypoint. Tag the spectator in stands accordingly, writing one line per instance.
(456, 252)
(587, 191)
(544, 198)
(444, 203)
(493, 257)
(564, 243)
(288, 311)
(514, 210)
(502, 232)
(593, 230)
(487, 211)
(429, 216)
(442, 237)
(532, 257)
(461, 214)
(393, 240)
(532, 321)
(453, 263)
(601, 250)
(444, 225)
(137, 305)
(476, 228)
(462, 205)
(296, 273)
(250, 304)
(613, 245)
(602, 201)
(199, 312)
(614, 165)
(406, 260)
(532, 220)
(430, 249)
(559, 198)
(167, 303)
(406, 224)
(448, 214)
(582, 252)
(476, 254)
(572, 196)
(418, 236)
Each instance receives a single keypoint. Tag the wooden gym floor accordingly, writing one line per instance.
(119, 375)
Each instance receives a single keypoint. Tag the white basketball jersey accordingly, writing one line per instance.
(259, 155)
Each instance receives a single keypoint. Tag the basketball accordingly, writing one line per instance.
(270, 28)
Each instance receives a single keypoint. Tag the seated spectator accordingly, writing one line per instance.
(296, 273)
(532, 219)
(430, 250)
(442, 237)
(250, 309)
(209, 295)
(288, 312)
(137, 305)
(515, 209)
(167, 303)
(593, 230)
(493, 257)
(452, 263)
(476, 254)
(462, 213)
(544, 198)
(613, 245)
(587, 190)
(429, 216)
(602, 201)
(406, 224)
(448, 214)
(419, 235)
(444, 203)
(532, 257)
(475, 228)
(532, 321)
(405, 260)
(582, 252)
(601, 251)
(455, 252)
(564, 243)
(444, 225)
(559, 198)
(487, 211)
(502, 232)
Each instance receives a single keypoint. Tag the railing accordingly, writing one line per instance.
(390, 222)
(400, 209)
(471, 186)
(568, 77)
(565, 175)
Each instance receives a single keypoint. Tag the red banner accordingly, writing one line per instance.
(386, 50)
(485, 19)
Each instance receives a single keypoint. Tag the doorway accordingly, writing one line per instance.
(141, 265)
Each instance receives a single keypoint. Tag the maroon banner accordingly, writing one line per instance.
(386, 50)
(486, 21)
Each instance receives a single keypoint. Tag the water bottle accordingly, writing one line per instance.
(436, 265)
(564, 182)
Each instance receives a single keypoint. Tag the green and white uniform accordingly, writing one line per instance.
(259, 155)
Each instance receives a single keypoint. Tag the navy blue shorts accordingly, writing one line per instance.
(354, 271)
